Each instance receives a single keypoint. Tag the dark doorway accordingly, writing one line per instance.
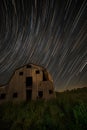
(28, 81)
(3, 96)
(28, 94)
(40, 94)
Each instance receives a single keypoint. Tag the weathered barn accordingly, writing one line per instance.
(28, 82)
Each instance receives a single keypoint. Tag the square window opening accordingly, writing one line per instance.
(15, 95)
(40, 94)
(50, 91)
(37, 72)
(3, 96)
(20, 73)
(28, 66)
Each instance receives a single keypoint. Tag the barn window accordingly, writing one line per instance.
(20, 73)
(28, 81)
(28, 66)
(15, 95)
(50, 91)
(2, 96)
(37, 72)
(40, 94)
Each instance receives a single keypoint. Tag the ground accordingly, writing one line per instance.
(67, 112)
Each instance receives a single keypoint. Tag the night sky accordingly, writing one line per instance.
(50, 33)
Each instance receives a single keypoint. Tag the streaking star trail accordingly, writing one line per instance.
(50, 33)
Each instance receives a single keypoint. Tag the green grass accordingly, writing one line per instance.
(67, 112)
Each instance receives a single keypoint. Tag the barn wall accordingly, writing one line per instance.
(46, 86)
(17, 85)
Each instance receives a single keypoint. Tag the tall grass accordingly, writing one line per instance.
(67, 112)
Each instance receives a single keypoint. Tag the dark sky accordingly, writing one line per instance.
(50, 33)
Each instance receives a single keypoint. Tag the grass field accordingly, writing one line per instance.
(67, 112)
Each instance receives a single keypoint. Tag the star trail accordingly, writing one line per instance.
(50, 33)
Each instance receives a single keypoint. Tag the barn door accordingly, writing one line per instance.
(28, 95)
(28, 81)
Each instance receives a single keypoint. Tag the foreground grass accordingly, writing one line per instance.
(67, 112)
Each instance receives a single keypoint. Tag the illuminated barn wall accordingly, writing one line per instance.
(28, 82)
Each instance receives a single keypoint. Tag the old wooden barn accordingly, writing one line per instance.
(30, 82)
